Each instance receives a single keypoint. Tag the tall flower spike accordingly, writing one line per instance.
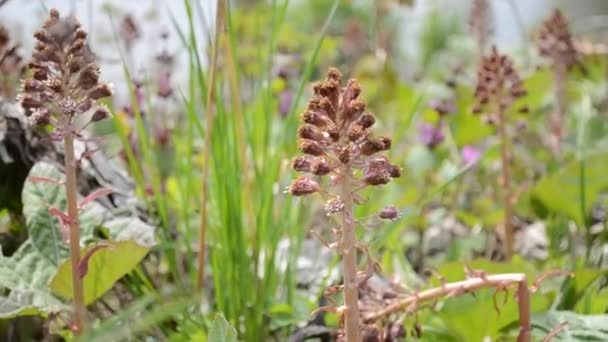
(336, 137)
(64, 76)
(555, 40)
(498, 85)
(64, 84)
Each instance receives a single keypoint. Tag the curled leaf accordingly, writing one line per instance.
(101, 192)
(65, 220)
(83, 265)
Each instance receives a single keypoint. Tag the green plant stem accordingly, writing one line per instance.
(71, 193)
(559, 91)
(506, 184)
(349, 261)
(583, 205)
(200, 277)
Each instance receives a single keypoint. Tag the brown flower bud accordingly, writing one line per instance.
(100, 114)
(376, 177)
(371, 146)
(394, 171)
(43, 37)
(314, 117)
(100, 91)
(310, 147)
(41, 117)
(32, 85)
(89, 77)
(366, 120)
(320, 167)
(355, 133)
(302, 164)
(85, 105)
(310, 132)
(41, 74)
(303, 186)
(389, 213)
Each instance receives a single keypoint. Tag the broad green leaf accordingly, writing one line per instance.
(579, 328)
(106, 266)
(468, 128)
(25, 276)
(574, 288)
(222, 331)
(560, 192)
(24, 283)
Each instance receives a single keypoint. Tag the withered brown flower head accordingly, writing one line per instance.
(335, 135)
(64, 80)
(555, 40)
(498, 84)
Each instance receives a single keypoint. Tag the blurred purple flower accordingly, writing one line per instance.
(470, 155)
(139, 97)
(431, 135)
(286, 98)
(444, 106)
(164, 85)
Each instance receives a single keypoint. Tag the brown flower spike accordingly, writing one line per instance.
(335, 136)
(64, 81)
(554, 42)
(63, 85)
(335, 133)
(498, 86)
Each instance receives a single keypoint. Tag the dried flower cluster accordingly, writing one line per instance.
(11, 63)
(64, 81)
(498, 84)
(555, 40)
(335, 136)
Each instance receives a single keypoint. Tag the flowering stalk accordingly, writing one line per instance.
(498, 86)
(554, 41)
(63, 87)
(335, 136)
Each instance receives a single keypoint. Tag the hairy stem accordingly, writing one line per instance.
(349, 262)
(71, 193)
(200, 276)
(498, 281)
(506, 184)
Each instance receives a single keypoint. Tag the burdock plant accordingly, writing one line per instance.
(62, 93)
(498, 86)
(335, 136)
